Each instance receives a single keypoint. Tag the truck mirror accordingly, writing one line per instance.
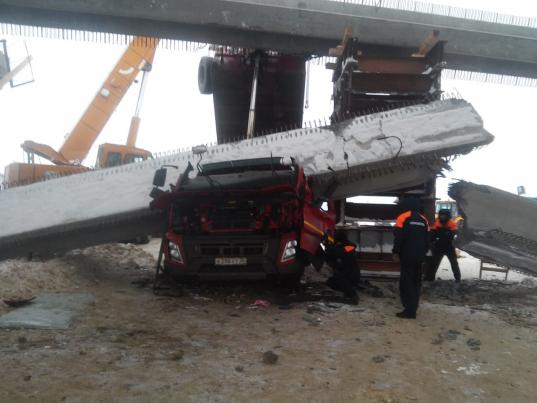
(160, 177)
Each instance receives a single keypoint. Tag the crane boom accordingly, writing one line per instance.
(140, 53)
(135, 121)
(67, 160)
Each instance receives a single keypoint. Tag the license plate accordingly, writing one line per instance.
(230, 261)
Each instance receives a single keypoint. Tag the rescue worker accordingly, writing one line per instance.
(340, 255)
(443, 233)
(411, 243)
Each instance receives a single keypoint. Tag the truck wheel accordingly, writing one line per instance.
(206, 75)
(292, 281)
(180, 278)
(142, 240)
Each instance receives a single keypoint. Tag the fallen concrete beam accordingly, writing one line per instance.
(499, 227)
(62, 238)
(292, 26)
(372, 153)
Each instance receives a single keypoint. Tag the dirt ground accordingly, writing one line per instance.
(471, 343)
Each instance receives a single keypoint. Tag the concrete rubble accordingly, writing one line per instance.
(508, 240)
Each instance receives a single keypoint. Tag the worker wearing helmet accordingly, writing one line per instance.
(411, 243)
(442, 235)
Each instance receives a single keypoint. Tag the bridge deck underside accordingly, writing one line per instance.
(291, 26)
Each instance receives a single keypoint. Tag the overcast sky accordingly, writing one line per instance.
(175, 115)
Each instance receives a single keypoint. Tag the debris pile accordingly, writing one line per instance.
(124, 256)
(513, 302)
(22, 279)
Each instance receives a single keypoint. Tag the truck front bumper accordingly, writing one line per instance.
(202, 256)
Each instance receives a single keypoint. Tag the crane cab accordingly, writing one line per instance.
(111, 155)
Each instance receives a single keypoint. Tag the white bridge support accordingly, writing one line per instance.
(368, 154)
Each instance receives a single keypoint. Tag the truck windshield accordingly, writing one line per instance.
(269, 164)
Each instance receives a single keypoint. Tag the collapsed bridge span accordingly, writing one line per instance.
(364, 155)
(499, 227)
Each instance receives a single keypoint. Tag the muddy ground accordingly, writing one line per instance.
(472, 343)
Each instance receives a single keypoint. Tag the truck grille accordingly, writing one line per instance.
(238, 224)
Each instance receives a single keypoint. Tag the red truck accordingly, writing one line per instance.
(242, 80)
(247, 219)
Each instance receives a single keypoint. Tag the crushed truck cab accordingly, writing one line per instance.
(248, 219)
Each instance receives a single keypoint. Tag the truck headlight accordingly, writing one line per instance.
(175, 252)
(289, 252)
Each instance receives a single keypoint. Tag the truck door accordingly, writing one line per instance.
(317, 222)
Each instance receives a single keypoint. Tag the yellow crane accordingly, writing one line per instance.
(68, 159)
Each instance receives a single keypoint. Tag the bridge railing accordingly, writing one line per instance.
(448, 11)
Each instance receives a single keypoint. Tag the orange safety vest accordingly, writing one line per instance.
(450, 225)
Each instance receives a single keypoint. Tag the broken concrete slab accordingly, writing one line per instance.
(499, 227)
(47, 311)
(374, 153)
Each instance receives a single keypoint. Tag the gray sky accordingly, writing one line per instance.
(175, 115)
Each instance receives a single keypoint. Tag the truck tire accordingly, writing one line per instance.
(206, 75)
(292, 281)
(143, 240)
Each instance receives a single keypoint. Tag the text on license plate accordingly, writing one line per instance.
(230, 261)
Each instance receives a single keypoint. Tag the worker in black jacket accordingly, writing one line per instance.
(340, 255)
(443, 233)
(411, 243)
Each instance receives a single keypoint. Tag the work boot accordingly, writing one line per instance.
(405, 315)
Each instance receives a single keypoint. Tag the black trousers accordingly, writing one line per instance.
(438, 255)
(410, 284)
(346, 274)
(342, 281)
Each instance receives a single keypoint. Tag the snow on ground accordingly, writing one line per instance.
(469, 266)
(23, 279)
